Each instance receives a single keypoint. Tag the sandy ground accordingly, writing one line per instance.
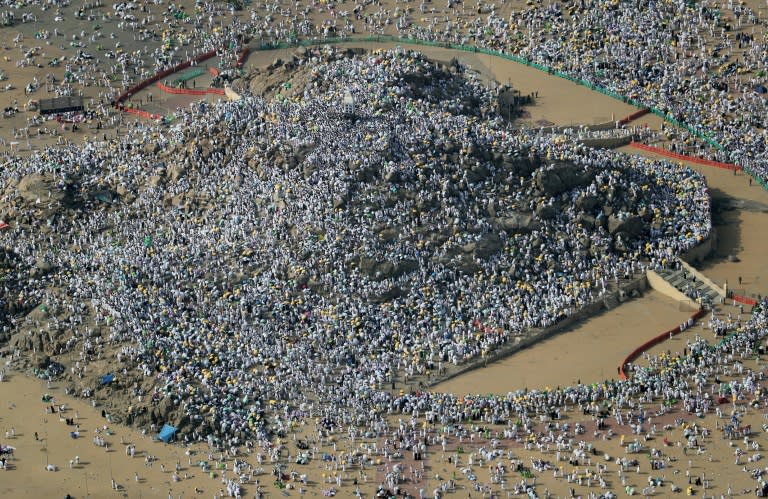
(590, 351)
(740, 211)
(558, 101)
(24, 414)
(571, 356)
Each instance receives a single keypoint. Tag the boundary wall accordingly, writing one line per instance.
(530, 338)
(167, 72)
(189, 91)
(706, 280)
(637, 352)
(692, 159)
(744, 299)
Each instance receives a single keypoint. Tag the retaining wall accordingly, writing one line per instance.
(639, 283)
(606, 142)
(703, 250)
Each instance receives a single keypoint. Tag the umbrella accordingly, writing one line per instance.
(760, 89)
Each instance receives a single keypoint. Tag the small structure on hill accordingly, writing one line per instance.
(60, 105)
(348, 105)
(166, 433)
(509, 102)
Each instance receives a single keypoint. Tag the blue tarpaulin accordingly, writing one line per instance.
(107, 379)
(166, 433)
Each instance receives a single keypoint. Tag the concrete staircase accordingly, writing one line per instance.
(691, 285)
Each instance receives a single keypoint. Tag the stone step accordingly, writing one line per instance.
(664, 272)
(671, 274)
(678, 280)
(678, 283)
(713, 295)
(610, 302)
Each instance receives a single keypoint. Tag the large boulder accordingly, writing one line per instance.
(587, 221)
(379, 270)
(546, 212)
(484, 247)
(515, 222)
(35, 187)
(522, 166)
(586, 202)
(632, 226)
(477, 173)
(562, 178)
(177, 170)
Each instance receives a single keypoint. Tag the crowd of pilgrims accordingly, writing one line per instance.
(241, 292)
(702, 65)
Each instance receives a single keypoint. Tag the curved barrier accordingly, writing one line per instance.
(691, 159)
(637, 352)
(745, 300)
(164, 74)
(241, 58)
(189, 91)
(693, 130)
(470, 48)
(696, 132)
(143, 114)
(159, 76)
(634, 116)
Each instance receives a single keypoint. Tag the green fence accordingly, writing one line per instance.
(756, 178)
(189, 75)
